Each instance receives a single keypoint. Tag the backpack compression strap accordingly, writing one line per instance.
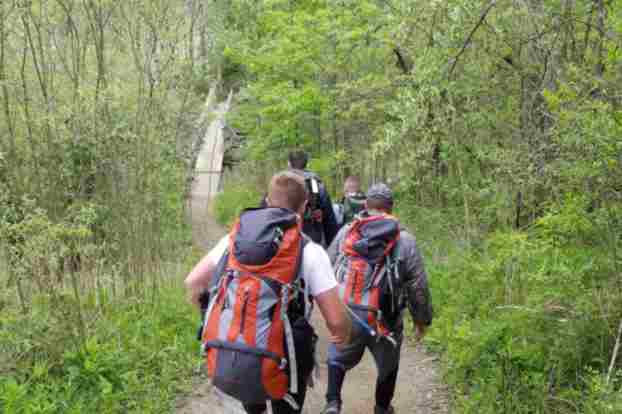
(208, 296)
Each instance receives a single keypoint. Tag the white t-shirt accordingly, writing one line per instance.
(316, 269)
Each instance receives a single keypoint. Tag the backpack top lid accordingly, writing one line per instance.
(372, 237)
(266, 241)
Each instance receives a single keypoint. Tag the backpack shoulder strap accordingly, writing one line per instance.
(302, 285)
(304, 240)
(220, 270)
(300, 288)
(207, 299)
(312, 182)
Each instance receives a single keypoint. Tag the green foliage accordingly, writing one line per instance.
(498, 124)
(526, 320)
(97, 124)
(313, 71)
(229, 204)
(101, 124)
(138, 357)
(602, 397)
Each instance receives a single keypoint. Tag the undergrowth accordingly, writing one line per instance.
(137, 357)
(229, 204)
(525, 320)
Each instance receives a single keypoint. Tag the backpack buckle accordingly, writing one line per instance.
(283, 364)
(278, 239)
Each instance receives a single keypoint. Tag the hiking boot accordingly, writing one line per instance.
(380, 410)
(332, 407)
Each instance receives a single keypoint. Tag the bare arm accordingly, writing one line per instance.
(334, 312)
(198, 279)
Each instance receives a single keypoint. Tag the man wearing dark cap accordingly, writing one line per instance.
(413, 293)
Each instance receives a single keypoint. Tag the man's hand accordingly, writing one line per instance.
(420, 331)
(198, 280)
(194, 296)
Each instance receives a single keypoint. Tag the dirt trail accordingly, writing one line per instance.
(419, 390)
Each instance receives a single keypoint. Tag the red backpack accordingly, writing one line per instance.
(247, 336)
(367, 272)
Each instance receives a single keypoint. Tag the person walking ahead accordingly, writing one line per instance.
(320, 223)
(258, 342)
(353, 198)
(380, 272)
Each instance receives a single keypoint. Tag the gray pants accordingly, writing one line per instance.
(386, 354)
(387, 357)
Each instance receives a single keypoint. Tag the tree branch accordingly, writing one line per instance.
(467, 42)
(401, 61)
(614, 356)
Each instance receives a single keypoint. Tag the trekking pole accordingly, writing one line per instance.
(361, 322)
(369, 328)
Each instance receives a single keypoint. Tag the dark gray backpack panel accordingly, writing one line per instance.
(375, 236)
(260, 233)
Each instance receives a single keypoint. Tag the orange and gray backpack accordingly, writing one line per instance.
(255, 292)
(367, 272)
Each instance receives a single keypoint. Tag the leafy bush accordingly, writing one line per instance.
(230, 203)
(137, 357)
(525, 319)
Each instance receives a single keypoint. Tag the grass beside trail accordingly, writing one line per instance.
(137, 357)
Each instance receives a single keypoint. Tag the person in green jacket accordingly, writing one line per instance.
(353, 199)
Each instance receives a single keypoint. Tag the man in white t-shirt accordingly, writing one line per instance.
(287, 190)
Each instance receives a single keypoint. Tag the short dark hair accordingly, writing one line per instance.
(298, 159)
(287, 190)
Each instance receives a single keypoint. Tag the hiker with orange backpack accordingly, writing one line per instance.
(258, 342)
(380, 272)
